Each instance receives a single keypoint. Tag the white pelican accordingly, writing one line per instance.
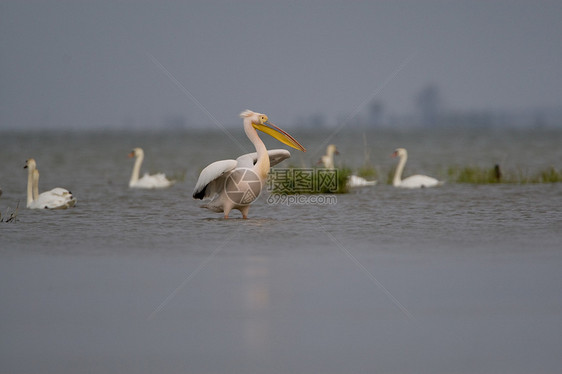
(235, 184)
(352, 180)
(57, 198)
(414, 181)
(147, 181)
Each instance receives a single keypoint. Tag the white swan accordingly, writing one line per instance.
(415, 181)
(57, 198)
(356, 181)
(147, 181)
(328, 158)
(35, 184)
(352, 180)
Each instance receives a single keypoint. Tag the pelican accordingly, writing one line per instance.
(57, 198)
(235, 184)
(352, 180)
(414, 181)
(147, 181)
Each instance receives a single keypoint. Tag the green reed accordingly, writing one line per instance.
(481, 175)
(550, 175)
(453, 174)
(368, 172)
(474, 175)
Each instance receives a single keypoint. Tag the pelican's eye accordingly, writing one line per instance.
(263, 119)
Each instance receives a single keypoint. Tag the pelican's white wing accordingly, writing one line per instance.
(275, 157)
(211, 179)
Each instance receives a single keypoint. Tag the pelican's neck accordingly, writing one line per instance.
(262, 165)
(136, 169)
(399, 169)
(29, 185)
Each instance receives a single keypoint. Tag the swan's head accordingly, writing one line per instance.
(259, 121)
(400, 152)
(136, 152)
(332, 150)
(30, 164)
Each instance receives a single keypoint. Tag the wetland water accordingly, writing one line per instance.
(461, 278)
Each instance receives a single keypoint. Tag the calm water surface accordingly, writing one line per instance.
(460, 278)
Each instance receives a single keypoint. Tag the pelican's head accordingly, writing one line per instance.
(260, 122)
(136, 152)
(30, 163)
(399, 152)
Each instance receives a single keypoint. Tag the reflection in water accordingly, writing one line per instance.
(256, 303)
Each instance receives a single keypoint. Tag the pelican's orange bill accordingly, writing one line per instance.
(279, 134)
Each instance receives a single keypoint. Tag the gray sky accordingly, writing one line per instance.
(88, 64)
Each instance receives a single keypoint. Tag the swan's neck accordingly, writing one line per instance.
(329, 160)
(136, 170)
(29, 186)
(262, 165)
(399, 169)
(35, 185)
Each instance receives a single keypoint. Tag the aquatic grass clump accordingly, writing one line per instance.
(475, 175)
(343, 175)
(480, 175)
(390, 175)
(550, 175)
(367, 171)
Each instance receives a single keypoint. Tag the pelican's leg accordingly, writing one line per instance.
(244, 210)
(226, 207)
